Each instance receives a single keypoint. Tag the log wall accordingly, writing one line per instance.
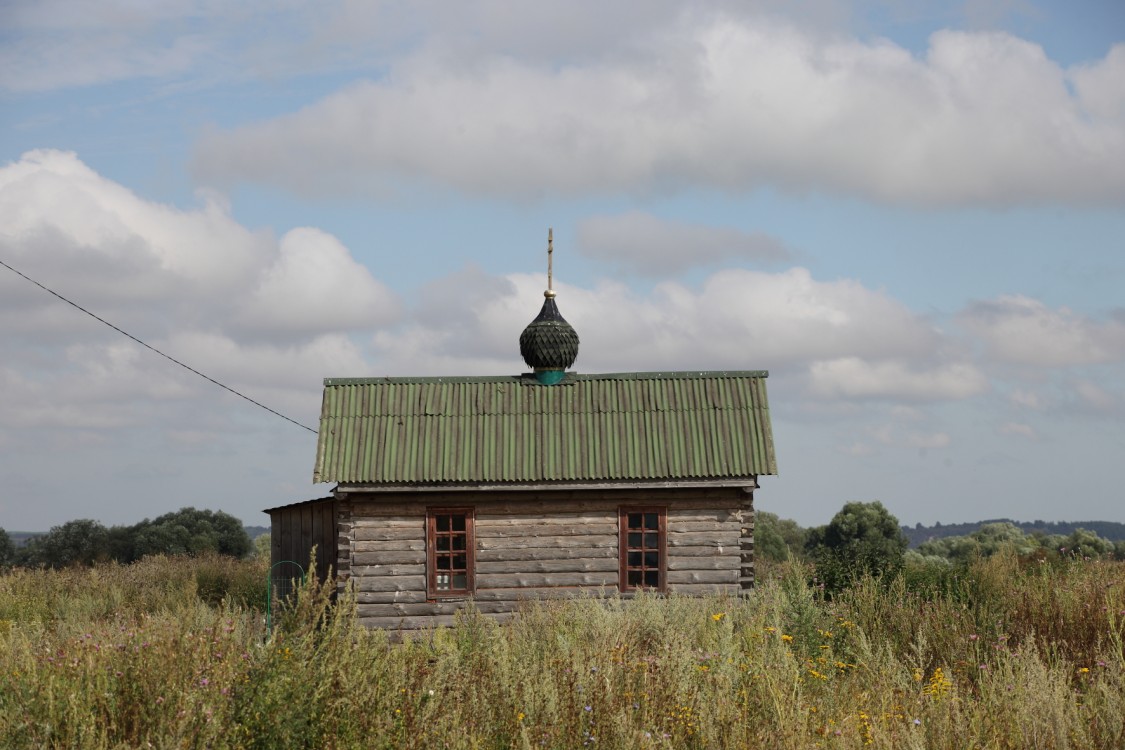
(536, 545)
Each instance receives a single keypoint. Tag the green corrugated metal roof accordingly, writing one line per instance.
(644, 426)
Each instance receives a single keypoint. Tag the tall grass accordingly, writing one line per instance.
(1005, 656)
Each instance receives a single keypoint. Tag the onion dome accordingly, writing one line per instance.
(549, 344)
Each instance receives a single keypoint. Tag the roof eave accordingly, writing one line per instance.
(749, 482)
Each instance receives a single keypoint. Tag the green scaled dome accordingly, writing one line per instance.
(548, 342)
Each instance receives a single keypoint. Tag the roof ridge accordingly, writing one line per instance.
(529, 378)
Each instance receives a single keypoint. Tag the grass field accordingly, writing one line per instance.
(171, 653)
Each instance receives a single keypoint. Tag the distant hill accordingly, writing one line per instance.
(20, 538)
(256, 531)
(1110, 530)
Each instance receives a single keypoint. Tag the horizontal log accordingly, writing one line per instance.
(550, 553)
(701, 538)
(580, 565)
(701, 551)
(392, 557)
(390, 583)
(724, 562)
(485, 504)
(533, 594)
(395, 533)
(422, 622)
(514, 597)
(533, 529)
(721, 515)
(677, 526)
(539, 580)
(702, 576)
(382, 597)
(399, 545)
(603, 540)
(394, 545)
(620, 492)
(412, 521)
(363, 511)
(523, 519)
(402, 609)
(416, 569)
(705, 589)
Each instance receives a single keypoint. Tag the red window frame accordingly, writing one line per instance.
(643, 545)
(450, 553)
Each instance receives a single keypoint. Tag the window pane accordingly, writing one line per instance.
(634, 540)
(652, 520)
(635, 577)
(652, 559)
(635, 520)
(442, 581)
(652, 578)
(442, 523)
(634, 559)
(458, 523)
(443, 562)
(652, 541)
(443, 544)
(459, 542)
(460, 581)
(459, 562)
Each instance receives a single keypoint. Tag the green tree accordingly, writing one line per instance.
(189, 531)
(984, 542)
(79, 542)
(7, 549)
(862, 539)
(262, 546)
(776, 538)
(1085, 543)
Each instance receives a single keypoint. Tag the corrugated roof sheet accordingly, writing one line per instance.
(644, 426)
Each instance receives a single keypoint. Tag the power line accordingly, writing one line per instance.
(153, 348)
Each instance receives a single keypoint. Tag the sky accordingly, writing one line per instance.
(911, 213)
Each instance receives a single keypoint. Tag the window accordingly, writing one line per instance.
(643, 548)
(449, 552)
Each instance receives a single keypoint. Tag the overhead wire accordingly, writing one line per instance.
(154, 349)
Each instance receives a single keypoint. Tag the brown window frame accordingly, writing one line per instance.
(433, 534)
(661, 568)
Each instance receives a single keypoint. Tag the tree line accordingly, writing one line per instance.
(866, 539)
(1109, 530)
(188, 531)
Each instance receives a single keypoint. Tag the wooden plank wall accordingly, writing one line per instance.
(296, 528)
(531, 546)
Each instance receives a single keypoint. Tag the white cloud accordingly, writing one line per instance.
(1018, 429)
(1094, 396)
(841, 340)
(1100, 87)
(648, 245)
(725, 102)
(928, 440)
(316, 286)
(1027, 399)
(852, 377)
(56, 214)
(266, 318)
(1023, 331)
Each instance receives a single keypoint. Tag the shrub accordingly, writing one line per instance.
(863, 539)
